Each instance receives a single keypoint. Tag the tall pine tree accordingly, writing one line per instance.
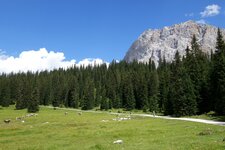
(182, 90)
(33, 103)
(153, 88)
(88, 95)
(128, 93)
(218, 76)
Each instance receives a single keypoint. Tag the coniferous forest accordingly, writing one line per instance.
(191, 84)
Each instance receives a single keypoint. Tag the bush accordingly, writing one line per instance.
(205, 132)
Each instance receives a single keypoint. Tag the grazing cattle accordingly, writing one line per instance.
(18, 118)
(7, 121)
(30, 115)
(105, 121)
(118, 142)
(128, 116)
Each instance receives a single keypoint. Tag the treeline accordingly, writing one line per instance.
(189, 85)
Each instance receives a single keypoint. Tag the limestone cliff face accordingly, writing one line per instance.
(165, 42)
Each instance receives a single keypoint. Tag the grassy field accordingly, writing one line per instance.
(52, 130)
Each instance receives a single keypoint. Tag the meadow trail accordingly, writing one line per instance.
(153, 116)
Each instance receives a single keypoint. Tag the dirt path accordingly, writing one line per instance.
(185, 119)
(147, 115)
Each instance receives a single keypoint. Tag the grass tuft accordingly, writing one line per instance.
(206, 132)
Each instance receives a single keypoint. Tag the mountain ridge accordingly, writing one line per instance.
(164, 42)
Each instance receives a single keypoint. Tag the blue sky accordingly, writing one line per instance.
(92, 28)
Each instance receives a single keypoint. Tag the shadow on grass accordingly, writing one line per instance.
(209, 116)
(214, 116)
(218, 118)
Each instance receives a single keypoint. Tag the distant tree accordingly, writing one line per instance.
(218, 76)
(20, 101)
(56, 89)
(5, 94)
(98, 94)
(72, 92)
(142, 93)
(111, 88)
(75, 96)
(88, 95)
(197, 66)
(104, 103)
(182, 90)
(33, 103)
(13, 85)
(164, 76)
(128, 93)
(153, 88)
(44, 85)
(69, 98)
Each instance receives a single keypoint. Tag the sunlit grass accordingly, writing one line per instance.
(52, 129)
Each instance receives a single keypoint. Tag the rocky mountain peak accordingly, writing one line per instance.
(159, 43)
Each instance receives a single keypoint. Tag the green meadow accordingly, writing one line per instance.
(53, 130)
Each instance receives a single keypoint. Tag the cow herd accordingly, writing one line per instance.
(22, 118)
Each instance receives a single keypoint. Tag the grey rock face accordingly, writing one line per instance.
(165, 42)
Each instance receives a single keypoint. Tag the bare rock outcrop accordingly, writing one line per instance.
(159, 43)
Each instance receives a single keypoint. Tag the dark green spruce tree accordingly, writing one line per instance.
(20, 101)
(164, 76)
(153, 88)
(218, 76)
(88, 95)
(128, 93)
(197, 65)
(182, 90)
(75, 95)
(33, 103)
(5, 94)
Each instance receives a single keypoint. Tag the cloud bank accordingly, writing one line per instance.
(40, 60)
(91, 62)
(201, 21)
(210, 10)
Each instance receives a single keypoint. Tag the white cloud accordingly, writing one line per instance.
(189, 14)
(34, 61)
(91, 62)
(2, 54)
(201, 21)
(38, 61)
(211, 10)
